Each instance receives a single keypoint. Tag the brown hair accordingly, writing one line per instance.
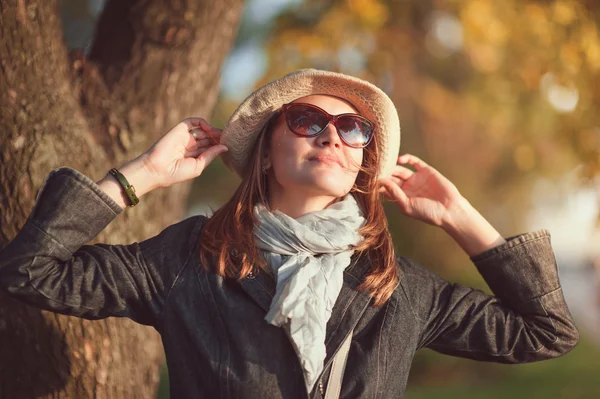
(228, 234)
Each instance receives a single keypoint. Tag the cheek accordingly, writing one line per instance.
(355, 158)
(284, 151)
(360, 156)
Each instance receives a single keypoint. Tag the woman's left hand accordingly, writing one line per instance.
(424, 194)
(428, 196)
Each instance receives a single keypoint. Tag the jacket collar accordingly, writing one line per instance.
(347, 310)
(262, 286)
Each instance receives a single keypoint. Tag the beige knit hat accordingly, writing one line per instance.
(254, 112)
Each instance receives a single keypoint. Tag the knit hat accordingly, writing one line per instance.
(254, 112)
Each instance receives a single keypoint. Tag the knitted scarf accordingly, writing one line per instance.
(308, 256)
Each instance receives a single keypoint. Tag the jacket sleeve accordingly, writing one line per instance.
(527, 319)
(48, 266)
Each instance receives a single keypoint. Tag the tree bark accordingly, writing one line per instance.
(152, 64)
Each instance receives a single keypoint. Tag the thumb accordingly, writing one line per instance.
(209, 155)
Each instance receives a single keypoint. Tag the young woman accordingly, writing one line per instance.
(298, 267)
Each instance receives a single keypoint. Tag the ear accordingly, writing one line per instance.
(266, 161)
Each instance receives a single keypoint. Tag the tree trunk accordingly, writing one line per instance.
(152, 64)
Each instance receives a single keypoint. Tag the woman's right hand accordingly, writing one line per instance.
(178, 156)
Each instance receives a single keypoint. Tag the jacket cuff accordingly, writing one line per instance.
(521, 269)
(71, 208)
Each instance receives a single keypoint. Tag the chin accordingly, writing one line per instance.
(333, 186)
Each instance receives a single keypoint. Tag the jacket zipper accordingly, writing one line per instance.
(321, 388)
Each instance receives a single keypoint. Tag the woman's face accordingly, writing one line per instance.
(305, 163)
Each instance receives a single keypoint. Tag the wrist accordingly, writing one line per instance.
(471, 231)
(140, 175)
(458, 215)
(137, 174)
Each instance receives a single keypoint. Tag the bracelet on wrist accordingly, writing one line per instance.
(127, 188)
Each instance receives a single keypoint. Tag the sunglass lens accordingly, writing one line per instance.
(355, 131)
(306, 121)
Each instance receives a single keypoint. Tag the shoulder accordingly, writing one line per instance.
(413, 274)
(418, 285)
(178, 238)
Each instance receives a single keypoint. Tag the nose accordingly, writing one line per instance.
(329, 137)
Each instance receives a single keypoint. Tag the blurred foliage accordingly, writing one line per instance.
(490, 65)
(571, 377)
(493, 94)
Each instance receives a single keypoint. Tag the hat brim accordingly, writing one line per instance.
(245, 124)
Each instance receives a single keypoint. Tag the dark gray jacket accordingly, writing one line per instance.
(217, 342)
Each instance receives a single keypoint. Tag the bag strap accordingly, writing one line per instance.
(334, 386)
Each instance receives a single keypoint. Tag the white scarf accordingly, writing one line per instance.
(308, 255)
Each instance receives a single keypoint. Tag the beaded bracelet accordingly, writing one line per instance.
(129, 189)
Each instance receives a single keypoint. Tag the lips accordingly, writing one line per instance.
(327, 159)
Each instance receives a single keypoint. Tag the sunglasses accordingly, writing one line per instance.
(309, 120)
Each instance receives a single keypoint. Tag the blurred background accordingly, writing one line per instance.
(498, 96)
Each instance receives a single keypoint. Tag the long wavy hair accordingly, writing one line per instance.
(227, 245)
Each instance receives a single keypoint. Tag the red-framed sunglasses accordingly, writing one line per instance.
(308, 120)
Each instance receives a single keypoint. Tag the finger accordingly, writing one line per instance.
(402, 172)
(383, 191)
(396, 194)
(397, 181)
(209, 155)
(201, 125)
(212, 132)
(193, 167)
(413, 161)
(194, 122)
(205, 125)
(194, 152)
(202, 142)
(215, 135)
(199, 144)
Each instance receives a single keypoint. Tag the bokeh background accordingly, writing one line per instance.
(500, 96)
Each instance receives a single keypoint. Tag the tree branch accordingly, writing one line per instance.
(151, 54)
